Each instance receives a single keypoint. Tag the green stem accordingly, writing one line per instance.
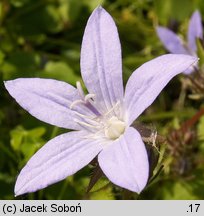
(167, 115)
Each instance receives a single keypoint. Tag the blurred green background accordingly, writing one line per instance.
(42, 38)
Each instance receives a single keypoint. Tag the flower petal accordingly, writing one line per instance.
(125, 162)
(145, 84)
(171, 41)
(195, 30)
(59, 158)
(101, 59)
(46, 99)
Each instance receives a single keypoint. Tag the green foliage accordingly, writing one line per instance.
(26, 142)
(200, 53)
(173, 9)
(59, 71)
(43, 39)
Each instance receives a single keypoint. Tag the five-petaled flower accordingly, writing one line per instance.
(174, 44)
(101, 119)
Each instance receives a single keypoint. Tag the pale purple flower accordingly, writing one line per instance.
(101, 119)
(174, 44)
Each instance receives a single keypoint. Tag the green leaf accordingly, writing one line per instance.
(100, 184)
(60, 71)
(178, 190)
(27, 141)
(200, 53)
(19, 3)
(20, 64)
(92, 4)
(16, 138)
(200, 131)
(105, 193)
(173, 9)
(37, 132)
(2, 56)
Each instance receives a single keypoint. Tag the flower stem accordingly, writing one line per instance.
(190, 122)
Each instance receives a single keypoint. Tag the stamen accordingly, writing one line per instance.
(109, 125)
(93, 109)
(91, 119)
(80, 89)
(88, 97)
(85, 100)
(91, 136)
(86, 124)
(95, 135)
(84, 116)
(75, 103)
(112, 109)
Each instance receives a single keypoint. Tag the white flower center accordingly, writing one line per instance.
(107, 125)
(114, 128)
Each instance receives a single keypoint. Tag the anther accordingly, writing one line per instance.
(88, 97)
